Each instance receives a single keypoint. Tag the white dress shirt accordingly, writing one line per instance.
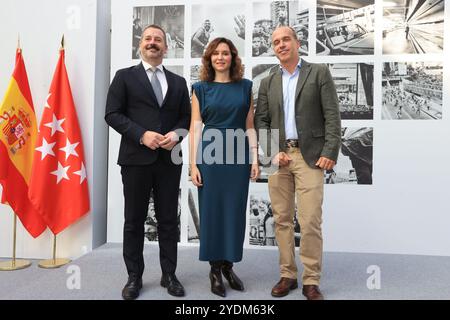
(161, 75)
(289, 88)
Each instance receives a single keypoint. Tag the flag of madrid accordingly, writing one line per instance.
(59, 187)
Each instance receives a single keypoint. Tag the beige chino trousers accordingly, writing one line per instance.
(301, 181)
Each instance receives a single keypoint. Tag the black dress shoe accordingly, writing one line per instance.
(217, 286)
(174, 287)
(232, 278)
(132, 288)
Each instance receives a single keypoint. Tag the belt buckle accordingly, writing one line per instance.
(290, 143)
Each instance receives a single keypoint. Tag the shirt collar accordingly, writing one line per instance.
(298, 67)
(149, 66)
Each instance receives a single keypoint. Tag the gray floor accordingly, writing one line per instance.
(103, 275)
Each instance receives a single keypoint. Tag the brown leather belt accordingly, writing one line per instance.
(291, 143)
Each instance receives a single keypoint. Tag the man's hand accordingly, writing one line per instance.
(240, 26)
(169, 141)
(281, 159)
(152, 139)
(325, 163)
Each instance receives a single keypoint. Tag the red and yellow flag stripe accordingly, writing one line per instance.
(18, 134)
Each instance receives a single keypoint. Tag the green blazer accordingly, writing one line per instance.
(317, 114)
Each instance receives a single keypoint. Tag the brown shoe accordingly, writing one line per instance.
(312, 292)
(283, 287)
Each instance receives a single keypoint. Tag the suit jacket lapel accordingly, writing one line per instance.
(170, 83)
(142, 76)
(278, 83)
(305, 69)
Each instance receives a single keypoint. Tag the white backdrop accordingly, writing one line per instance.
(41, 25)
(405, 210)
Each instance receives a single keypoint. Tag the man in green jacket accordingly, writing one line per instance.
(298, 107)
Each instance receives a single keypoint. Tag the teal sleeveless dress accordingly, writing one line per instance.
(223, 162)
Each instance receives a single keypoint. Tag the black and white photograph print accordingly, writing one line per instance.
(222, 20)
(413, 27)
(355, 161)
(170, 18)
(194, 217)
(269, 15)
(412, 91)
(345, 27)
(262, 222)
(354, 86)
(151, 222)
(195, 74)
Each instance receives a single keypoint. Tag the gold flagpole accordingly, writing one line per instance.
(54, 262)
(14, 264)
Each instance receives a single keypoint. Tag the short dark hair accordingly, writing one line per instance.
(154, 26)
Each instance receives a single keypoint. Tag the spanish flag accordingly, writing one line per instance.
(18, 131)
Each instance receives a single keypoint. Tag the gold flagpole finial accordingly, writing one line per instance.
(18, 43)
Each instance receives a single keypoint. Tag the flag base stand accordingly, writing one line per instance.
(53, 263)
(14, 265)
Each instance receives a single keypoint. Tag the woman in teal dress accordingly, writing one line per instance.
(223, 158)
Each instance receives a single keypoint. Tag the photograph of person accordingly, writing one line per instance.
(170, 18)
(415, 27)
(210, 21)
(269, 15)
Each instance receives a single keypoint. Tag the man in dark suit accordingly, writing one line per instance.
(298, 106)
(149, 106)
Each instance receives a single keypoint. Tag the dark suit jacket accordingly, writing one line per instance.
(132, 109)
(317, 114)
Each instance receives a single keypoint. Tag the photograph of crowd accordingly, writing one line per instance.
(345, 27)
(412, 91)
(269, 15)
(413, 26)
(262, 222)
(170, 18)
(354, 165)
(212, 21)
(354, 86)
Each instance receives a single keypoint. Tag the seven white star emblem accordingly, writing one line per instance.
(69, 149)
(46, 149)
(55, 125)
(61, 173)
(46, 102)
(81, 173)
